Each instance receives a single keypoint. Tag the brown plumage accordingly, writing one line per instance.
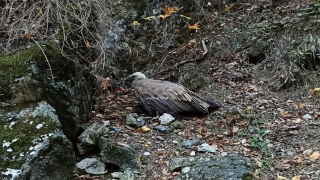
(167, 97)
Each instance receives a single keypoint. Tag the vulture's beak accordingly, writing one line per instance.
(129, 79)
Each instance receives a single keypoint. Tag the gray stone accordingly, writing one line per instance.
(176, 125)
(92, 166)
(235, 168)
(116, 175)
(33, 141)
(207, 148)
(307, 117)
(127, 175)
(131, 120)
(52, 159)
(164, 129)
(141, 121)
(118, 154)
(166, 119)
(92, 134)
(189, 143)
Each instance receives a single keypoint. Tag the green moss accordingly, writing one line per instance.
(20, 136)
(17, 65)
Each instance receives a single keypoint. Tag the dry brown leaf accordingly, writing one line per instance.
(298, 105)
(248, 109)
(29, 114)
(314, 156)
(27, 35)
(129, 108)
(39, 9)
(235, 129)
(200, 129)
(191, 43)
(195, 26)
(228, 7)
(160, 161)
(88, 45)
(298, 120)
(105, 84)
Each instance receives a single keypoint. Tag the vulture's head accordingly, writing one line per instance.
(135, 76)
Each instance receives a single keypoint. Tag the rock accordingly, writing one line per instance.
(236, 168)
(34, 143)
(176, 125)
(52, 159)
(116, 175)
(166, 119)
(307, 152)
(140, 121)
(192, 153)
(189, 143)
(127, 175)
(307, 117)
(146, 153)
(164, 129)
(160, 138)
(92, 134)
(131, 120)
(92, 166)
(223, 154)
(207, 148)
(118, 154)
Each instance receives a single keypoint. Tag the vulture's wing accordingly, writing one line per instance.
(167, 97)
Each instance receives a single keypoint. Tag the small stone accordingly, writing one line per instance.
(186, 169)
(131, 120)
(307, 152)
(116, 174)
(199, 136)
(146, 153)
(207, 148)
(141, 121)
(223, 154)
(306, 117)
(175, 142)
(189, 143)
(192, 153)
(160, 138)
(164, 129)
(176, 125)
(290, 153)
(166, 119)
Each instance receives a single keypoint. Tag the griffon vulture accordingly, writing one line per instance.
(167, 97)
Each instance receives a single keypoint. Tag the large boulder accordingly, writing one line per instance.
(34, 145)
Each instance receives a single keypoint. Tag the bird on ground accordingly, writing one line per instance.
(157, 96)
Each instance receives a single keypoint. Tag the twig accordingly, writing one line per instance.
(204, 46)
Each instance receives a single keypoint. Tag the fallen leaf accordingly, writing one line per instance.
(195, 26)
(39, 9)
(88, 44)
(150, 17)
(281, 177)
(27, 35)
(235, 129)
(296, 177)
(248, 109)
(105, 84)
(160, 161)
(188, 18)
(135, 23)
(314, 156)
(145, 129)
(163, 16)
(228, 7)
(213, 19)
(298, 120)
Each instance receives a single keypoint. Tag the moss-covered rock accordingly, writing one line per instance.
(43, 72)
(23, 132)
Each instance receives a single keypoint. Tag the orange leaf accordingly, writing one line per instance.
(228, 7)
(105, 84)
(195, 26)
(314, 156)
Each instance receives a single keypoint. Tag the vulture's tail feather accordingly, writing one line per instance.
(213, 105)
